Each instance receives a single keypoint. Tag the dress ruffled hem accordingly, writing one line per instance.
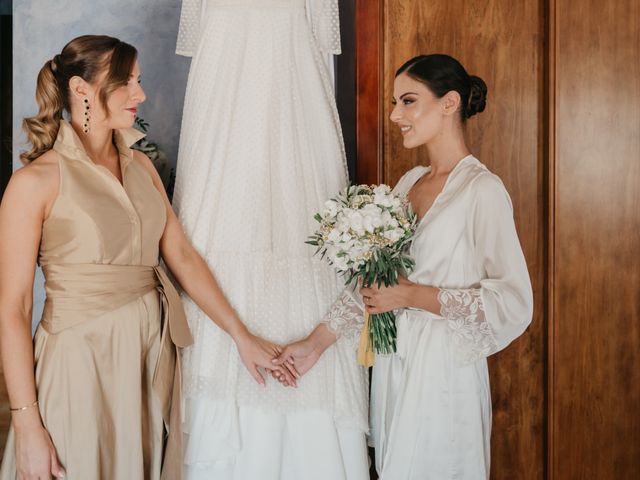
(224, 440)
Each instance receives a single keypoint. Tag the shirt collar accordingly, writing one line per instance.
(68, 141)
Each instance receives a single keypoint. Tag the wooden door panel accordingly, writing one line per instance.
(502, 42)
(596, 324)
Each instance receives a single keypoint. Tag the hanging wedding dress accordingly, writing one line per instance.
(260, 152)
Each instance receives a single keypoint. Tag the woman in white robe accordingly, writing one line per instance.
(468, 296)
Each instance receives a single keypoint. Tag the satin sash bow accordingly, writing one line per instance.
(81, 292)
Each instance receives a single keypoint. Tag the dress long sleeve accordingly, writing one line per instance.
(325, 24)
(189, 29)
(484, 320)
(346, 317)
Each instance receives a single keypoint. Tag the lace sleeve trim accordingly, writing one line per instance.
(345, 319)
(464, 313)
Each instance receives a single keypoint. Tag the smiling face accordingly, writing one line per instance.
(122, 103)
(417, 111)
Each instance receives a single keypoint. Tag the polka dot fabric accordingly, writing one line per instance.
(260, 152)
(324, 14)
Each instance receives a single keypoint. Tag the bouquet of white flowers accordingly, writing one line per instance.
(363, 233)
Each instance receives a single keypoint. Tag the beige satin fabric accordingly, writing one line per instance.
(106, 365)
(79, 292)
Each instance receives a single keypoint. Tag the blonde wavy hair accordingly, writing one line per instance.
(87, 57)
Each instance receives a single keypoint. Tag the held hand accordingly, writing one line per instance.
(302, 355)
(36, 456)
(256, 352)
(383, 299)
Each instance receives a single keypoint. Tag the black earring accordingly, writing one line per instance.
(86, 116)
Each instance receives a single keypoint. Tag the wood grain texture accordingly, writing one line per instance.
(550, 303)
(502, 42)
(596, 331)
(368, 86)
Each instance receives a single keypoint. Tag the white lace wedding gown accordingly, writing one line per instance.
(260, 152)
(431, 401)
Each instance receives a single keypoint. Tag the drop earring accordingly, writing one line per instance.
(85, 128)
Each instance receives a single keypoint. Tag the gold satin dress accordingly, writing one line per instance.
(106, 369)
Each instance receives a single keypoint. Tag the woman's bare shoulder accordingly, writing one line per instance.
(36, 181)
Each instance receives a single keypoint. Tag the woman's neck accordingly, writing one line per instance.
(446, 150)
(98, 144)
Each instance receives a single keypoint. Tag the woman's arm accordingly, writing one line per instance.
(484, 318)
(344, 320)
(22, 212)
(304, 353)
(404, 295)
(195, 278)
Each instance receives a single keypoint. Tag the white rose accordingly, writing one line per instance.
(381, 189)
(346, 239)
(371, 217)
(386, 219)
(393, 235)
(340, 263)
(330, 208)
(343, 224)
(334, 235)
(356, 223)
(371, 209)
(382, 195)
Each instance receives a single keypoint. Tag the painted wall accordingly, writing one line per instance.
(40, 30)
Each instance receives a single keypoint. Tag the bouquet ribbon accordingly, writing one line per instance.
(366, 357)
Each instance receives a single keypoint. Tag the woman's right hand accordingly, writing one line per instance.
(257, 352)
(302, 354)
(36, 457)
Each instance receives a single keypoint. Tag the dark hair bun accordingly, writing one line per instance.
(477, 96)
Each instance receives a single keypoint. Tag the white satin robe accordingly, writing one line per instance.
(430, 402)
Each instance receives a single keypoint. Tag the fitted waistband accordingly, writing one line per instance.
(77, 293)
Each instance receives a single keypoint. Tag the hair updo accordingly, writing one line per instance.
(442, 74)
(86, 57)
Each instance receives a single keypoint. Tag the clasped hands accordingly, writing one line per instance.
(297, 358)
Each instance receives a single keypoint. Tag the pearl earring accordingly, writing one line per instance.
(86, 116)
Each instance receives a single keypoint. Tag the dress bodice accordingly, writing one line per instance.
(323, 16)
(94, 218)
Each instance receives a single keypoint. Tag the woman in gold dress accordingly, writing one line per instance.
(93, 213)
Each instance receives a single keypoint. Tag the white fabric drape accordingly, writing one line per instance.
(323, 15)
(260, 152)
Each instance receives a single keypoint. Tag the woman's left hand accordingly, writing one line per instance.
(257, 352)
(384, 299)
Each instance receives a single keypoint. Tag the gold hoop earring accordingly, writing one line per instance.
(87, 116)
